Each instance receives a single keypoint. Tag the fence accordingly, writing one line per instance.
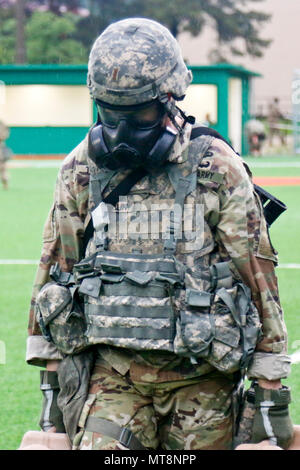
(296, 110)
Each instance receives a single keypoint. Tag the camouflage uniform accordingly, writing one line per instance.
(234, 222)
(166, 400)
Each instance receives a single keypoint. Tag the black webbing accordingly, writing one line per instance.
(124, 435)
(272, 206)
(203, 130)
(125, 186)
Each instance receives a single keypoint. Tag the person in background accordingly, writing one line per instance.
(4, 154)
(208, 122)
(274, 117)
(256, 135)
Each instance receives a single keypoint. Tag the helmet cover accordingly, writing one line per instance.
(135, 61)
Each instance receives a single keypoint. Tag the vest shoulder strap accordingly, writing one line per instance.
(122, 189)
(197, 131)
(272, 206)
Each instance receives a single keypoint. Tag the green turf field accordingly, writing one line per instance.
(23, 211)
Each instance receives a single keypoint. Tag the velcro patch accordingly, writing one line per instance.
(205, 175)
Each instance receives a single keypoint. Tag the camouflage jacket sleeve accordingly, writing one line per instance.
(62, 237)
(242, 234)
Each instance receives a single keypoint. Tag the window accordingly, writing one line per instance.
(201, 101)
(46, 105)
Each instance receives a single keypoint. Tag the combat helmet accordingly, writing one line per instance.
(135, 61)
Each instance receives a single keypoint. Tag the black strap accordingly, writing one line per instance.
(122, 189)
(124, 435)
(272, 206)
(125, 186)
(203, 130)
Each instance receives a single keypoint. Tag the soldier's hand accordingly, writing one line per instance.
(53, 429)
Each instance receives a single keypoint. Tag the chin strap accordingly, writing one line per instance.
(189, 119)
(173, 111)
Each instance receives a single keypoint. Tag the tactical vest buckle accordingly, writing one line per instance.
(59, 276)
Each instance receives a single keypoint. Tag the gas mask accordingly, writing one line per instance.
(131, 136)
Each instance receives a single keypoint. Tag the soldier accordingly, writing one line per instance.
(4, 154)
(255, 131)
(146, 338)
(274, 117)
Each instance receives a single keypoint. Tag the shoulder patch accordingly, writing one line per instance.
(207, 175)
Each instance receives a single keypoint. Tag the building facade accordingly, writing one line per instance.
(49, 110)
(280, 59)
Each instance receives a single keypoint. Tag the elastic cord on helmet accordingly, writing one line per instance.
(172, 110)
(189, 119)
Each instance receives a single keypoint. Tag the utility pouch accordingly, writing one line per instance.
(223, 328)
(60, 318)
(237, 329)
(194, 327)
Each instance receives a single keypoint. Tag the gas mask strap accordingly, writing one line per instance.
(189, 119)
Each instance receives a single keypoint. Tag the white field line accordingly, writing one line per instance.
(32, 261)
(289, 266)
(295, 357)
(18, 261)
(35, 164)
(273, 164)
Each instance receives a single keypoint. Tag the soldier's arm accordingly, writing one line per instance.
(62, 237)
(241, 232)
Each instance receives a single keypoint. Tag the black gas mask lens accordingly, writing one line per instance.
(139, 117)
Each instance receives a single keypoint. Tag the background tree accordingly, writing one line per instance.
(7, 35)
(20, 36)
(237, 23)
(101, 14)
(49, 39)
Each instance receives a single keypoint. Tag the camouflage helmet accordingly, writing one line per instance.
(135, 61)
